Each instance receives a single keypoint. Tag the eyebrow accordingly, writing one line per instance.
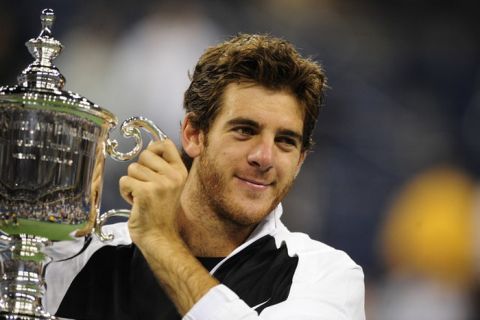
(255, 124)
(243, 121)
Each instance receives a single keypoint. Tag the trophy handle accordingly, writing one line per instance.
(125, 213)
(129, 128)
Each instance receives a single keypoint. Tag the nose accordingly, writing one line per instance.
(261, 155)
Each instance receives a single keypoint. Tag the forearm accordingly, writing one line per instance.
(179, 273)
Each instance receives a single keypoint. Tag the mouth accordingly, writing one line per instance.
(255, 183)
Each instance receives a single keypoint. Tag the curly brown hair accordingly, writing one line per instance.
(262, 59)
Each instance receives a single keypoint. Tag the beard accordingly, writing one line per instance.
(226, 203)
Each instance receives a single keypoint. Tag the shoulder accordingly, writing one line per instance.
(315, 252)
(325, 275)
(312, 254)
(319, 262)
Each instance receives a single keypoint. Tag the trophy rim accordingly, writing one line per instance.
(56, 100)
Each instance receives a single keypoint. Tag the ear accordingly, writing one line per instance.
(192, 138)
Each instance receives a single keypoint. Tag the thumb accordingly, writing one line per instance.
(125, 184)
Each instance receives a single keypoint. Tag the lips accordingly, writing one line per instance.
(255, 182)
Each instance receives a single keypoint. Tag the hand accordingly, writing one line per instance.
(153, 188)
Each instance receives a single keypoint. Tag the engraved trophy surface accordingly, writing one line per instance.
(53, 145)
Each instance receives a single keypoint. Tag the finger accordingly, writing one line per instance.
(167, 150)
(125, 187)
(152, 161)
(140, 172)
(130, 188)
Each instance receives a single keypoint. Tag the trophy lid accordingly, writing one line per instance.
(40, 85)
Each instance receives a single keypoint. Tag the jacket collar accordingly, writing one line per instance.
(268, 226)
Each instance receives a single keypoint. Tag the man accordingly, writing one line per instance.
(208, 243)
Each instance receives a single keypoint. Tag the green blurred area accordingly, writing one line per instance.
(51, 230)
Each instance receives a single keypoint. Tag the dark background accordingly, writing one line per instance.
(404, 91)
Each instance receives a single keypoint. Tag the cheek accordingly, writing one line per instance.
(222, 159)
(231, 155)
(288, 168)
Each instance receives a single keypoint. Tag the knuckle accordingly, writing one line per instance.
(132, 168)
(122, 181)
(124, 186)
(154, 145)
(179, 177)
(158, 187)
(184, 172)
(169, 142)
(142, 156)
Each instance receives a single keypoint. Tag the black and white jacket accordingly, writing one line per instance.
(275, 274)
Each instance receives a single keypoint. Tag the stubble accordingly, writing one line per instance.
(213, 191)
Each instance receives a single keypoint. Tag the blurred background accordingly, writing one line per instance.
(394, 176)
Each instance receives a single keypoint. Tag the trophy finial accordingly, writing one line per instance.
(48, 18)
(42, 73)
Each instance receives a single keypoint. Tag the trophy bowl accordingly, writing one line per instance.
(53, 145)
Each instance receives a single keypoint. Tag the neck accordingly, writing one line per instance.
(206, 233)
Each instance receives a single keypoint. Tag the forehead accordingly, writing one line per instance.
(266, 106)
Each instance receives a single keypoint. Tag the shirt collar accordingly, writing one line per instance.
(269, 225)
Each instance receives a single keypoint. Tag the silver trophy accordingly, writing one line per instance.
(53, 145)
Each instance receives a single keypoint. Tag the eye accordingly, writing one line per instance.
(244, 131)
(287, 142)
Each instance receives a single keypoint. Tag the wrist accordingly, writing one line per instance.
(159, 244)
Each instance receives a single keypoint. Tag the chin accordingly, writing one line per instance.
(247, 214)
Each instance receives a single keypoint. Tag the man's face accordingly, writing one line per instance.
(252, 153)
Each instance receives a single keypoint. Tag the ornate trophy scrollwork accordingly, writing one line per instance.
(53, 145)
(129, 128)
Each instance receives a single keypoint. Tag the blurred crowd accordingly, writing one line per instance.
(394, 176)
